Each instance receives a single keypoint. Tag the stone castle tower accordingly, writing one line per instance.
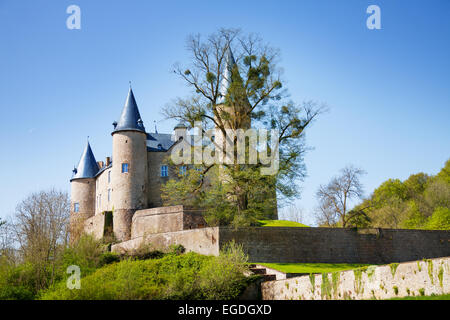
(129, 175)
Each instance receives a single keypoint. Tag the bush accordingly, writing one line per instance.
(17, 282)
(87, 253)
(176, 249)
(223, 277)
(108, 258)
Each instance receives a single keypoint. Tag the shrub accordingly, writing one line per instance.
(86, 253)
(108, 258)
(17, 282)
(177, 249)
(223, 277)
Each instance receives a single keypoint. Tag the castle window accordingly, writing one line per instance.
(76, 207)
(109, 195)
(159, 147)
(124, 167)
(164, 171)
(182, 170)
(109, 176)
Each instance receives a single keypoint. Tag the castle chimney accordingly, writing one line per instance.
(108, 161)
(100, 164)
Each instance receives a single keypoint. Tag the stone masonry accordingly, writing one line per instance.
(417, 278)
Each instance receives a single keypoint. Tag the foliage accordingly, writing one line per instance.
(185, 276)
(21, 281)
(420, 202)
(40, 230)
(17, 282)
(440, 219)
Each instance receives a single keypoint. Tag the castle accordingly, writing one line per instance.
(122, 197)
(131, 179)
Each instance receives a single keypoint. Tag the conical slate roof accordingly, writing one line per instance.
(130, 119)
(87, 167)
(226, 75)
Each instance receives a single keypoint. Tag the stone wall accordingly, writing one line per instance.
(375, 282)
(95, 225)
(204, 241)
(154, 161)
(102, 203)
(297, 245)
(337, 245)
(164, 219)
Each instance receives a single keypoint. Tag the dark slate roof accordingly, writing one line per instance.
(164, 139)
(87, 167)
(226, 75)
(130, 119)
(103, 169)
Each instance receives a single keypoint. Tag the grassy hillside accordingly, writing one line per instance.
(185, 276)
(280, 223)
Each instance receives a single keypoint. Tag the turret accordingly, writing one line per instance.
(129, 168)
(235, 118)
(82, 199)
(180, 131)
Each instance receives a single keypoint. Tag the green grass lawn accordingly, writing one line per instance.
(280, 223)
(432, 297)
(311, 267)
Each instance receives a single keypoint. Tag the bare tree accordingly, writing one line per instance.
(6, 240)
(41, 230)
(335, 197)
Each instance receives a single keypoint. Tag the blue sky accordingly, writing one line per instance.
(388, 90)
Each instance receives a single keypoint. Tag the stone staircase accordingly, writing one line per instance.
(260, 270)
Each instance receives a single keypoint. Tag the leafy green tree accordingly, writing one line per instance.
(444, 174)
(411, 204)
(416, 184)
(415, 218)
(437, 194)
(440, 220)
(392, 189)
